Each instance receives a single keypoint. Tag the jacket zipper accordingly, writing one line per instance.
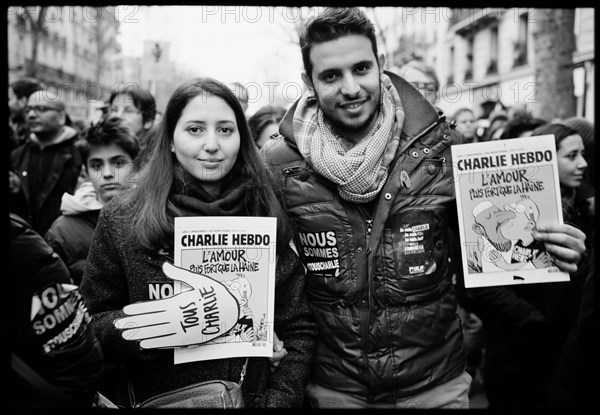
(365, 318)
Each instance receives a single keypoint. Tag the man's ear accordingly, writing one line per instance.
(307, 82)
(478, 229)
(381, 62)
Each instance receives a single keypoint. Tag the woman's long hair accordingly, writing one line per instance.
(149, 208)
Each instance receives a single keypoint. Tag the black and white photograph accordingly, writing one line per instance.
(406, 261)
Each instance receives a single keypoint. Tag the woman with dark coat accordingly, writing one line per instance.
(204, 163)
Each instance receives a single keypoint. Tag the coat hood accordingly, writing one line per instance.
(84, 200)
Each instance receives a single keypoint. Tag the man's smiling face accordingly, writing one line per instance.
(345, 79)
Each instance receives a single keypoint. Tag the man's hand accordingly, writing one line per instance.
(206, 311)
(279, 352)
(564, 242)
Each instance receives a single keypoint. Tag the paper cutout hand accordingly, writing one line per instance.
(202, 313)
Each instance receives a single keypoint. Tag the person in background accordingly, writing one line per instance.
(498, 121)
(570, 155)
(586, 130)
(465, 124)
(204, 163)
(137, 109)
(423, 77)
(518, 111)
(18, 94)
(521, 126)
(56, 359)
(527, 325)
(265, 122)
(483, 120)
(47, 165)
(241, 93)
(107, 150)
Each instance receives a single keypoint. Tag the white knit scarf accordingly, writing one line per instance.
(361, 171)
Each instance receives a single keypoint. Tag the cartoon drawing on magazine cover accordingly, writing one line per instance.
(244, 329)
(505, 241)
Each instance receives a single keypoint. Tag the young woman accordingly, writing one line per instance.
(204, 163)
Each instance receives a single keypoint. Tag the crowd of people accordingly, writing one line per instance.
(92, 221)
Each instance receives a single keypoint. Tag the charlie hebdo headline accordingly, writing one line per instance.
(516, 177)
(222, 259)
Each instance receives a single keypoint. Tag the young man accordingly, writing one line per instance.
(107, 149)
(365, 165)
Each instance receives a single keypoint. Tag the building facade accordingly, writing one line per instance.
(77, 52)
(487, 55)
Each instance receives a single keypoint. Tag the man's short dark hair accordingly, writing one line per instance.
(333, 23)
(142, 99)
(24, 87)
(106, 133)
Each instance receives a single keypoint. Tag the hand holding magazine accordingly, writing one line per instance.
(203, 312)
(506, 191)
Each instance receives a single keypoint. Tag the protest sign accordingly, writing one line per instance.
(239, 253)
(504, 190)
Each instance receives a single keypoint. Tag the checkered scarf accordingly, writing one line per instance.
(361, 171)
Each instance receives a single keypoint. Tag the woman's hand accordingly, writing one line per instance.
(279, 352)
(564, 242)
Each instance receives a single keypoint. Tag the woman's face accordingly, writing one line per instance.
(571, 163)
(206, 140)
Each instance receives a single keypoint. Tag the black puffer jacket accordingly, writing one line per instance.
(379, 283)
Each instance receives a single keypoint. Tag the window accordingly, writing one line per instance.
(451, 71)
(520, 45)
(469, 69)
(493, 63)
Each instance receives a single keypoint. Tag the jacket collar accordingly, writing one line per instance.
(419, 113)
(63, 135)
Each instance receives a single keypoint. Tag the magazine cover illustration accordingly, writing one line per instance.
(239, 253)
(504, 190)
